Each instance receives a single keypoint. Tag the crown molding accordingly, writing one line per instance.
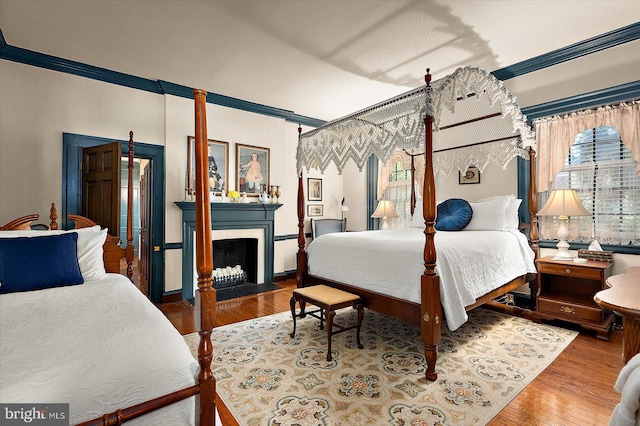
(611, 95)
(586, 47)
(30, 57)
(582, 48)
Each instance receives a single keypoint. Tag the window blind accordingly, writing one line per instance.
(600, 168)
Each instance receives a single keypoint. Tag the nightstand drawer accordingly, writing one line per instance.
(570, 311)
(570, 271)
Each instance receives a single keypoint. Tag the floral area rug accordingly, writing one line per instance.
(265, 377)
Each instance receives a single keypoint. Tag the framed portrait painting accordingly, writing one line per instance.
(472, 175)
(315, 210)
(218, 154)
(314, 189)
(252, 169)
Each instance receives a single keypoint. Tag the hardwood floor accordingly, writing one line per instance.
(576, 389)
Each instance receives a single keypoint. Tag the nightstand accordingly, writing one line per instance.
(566, 290)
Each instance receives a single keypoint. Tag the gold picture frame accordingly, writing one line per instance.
(218, 165)
(252, 169)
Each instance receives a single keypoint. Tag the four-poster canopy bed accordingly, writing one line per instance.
(438, 119)
(76, 331)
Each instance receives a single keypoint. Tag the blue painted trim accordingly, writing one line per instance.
(54, 63)
(582, 48)
(72, 145)
(523, 189)
(623, 92)
(226, 216)
(372, 192)
(285, 237)
(171, 246)
(30, 57)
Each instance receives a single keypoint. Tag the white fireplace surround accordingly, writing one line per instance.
(229, 234)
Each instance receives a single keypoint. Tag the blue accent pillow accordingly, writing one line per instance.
(34, 263)
(453, 215)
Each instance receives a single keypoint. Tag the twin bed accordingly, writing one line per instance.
(102, 346)
(75, 331)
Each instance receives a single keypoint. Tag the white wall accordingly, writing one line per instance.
(37, 106)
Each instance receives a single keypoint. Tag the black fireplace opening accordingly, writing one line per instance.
(235, 262)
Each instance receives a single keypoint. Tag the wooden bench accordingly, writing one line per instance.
(328, 299)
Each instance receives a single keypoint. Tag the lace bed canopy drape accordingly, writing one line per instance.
(481, 104)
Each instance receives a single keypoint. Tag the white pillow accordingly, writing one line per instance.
(417, 220)
(498, 213)
(90, 247)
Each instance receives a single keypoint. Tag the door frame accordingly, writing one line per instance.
(72, 145)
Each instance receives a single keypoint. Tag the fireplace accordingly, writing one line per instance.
(231, 221)
(235, 262)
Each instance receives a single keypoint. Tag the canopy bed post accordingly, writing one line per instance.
(429, 282)
(205, 298)
(302, 254)
(129, 250)
(534, 237)
(413, 185)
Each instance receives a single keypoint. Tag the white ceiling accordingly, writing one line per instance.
(319, 58)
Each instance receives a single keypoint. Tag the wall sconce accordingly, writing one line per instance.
(343, 208)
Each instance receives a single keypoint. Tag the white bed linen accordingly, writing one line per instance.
(99, 346)
(469, 263)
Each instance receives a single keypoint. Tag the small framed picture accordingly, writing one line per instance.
(472, 175)
(314, 189)
(315, 210)
(252, 169)
(218, 165)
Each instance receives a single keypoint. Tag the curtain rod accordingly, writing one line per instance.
(593, 108)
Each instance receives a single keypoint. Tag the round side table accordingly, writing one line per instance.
(623, 297)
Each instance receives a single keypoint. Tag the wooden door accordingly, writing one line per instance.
(145, 229)
(101, 185)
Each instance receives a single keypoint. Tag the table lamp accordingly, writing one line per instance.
(563, 203)
(384, 211)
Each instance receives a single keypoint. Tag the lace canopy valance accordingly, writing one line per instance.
(488, 124)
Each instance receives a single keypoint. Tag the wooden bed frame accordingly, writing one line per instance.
(428, 314)
(205, 297)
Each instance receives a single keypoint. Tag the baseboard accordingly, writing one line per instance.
(284, 276)
(173, 296)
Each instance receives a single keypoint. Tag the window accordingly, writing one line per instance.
(600, 168)
(399, 193)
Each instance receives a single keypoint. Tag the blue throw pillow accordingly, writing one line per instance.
(453, 215)
(39, 262)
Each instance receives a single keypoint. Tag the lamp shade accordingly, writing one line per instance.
(563, 203)
(384, 210)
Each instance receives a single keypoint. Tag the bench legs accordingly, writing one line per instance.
(327, 313)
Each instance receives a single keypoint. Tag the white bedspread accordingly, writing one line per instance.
(99, 346)
(469, 263)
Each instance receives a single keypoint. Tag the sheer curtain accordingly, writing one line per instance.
(597, 153)
(555, 135)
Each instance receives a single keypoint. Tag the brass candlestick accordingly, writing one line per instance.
(272, 194)
(278, 194)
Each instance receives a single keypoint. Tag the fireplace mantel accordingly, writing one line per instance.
(226, 216)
